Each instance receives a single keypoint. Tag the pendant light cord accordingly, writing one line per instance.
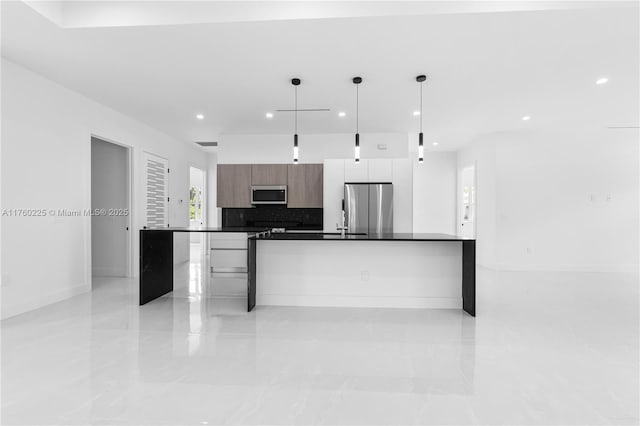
(420, 107)
(357, 108)
(295, 115)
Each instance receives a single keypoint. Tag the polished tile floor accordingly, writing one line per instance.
(545, 348)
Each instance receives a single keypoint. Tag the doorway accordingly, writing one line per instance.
(467, 203)
(111, 210)
(196, 201)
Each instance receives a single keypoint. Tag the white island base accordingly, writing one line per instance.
(381, 274)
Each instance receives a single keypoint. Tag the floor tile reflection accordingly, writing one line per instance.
(539, 352)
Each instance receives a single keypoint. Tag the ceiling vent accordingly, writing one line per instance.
(207, 143)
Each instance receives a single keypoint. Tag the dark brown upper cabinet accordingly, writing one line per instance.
(268, 174)
(305, 185)
(234, 185)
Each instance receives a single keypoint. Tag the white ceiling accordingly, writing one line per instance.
(117, 13)
(485, 70)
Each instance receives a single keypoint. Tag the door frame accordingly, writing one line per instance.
(130, 202)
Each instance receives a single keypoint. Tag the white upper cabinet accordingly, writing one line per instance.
(403, 195)
(333, 193)
(381, 170)
(356, 172)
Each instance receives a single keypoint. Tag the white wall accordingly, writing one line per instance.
(109, 165)
(256, 149)
(562, 200)
(434, 193)
(433, 189)
(46, 136)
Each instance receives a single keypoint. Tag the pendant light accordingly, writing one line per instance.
(296, 83)
(420, 79)
(357, 81)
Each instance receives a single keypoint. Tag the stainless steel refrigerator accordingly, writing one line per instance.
(368, 207)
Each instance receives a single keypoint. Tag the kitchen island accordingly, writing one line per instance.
(320, 269)
(376, 270)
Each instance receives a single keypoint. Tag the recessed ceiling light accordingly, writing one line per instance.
(269, 115)
(416, 113)
(342, 114)
(200, 116)
(602, 80)
(526, 118)
(435, 144)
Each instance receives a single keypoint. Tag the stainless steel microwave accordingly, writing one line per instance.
(269, 194)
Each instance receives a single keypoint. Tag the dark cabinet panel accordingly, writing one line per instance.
(305, 185)
(234, 185)
(156, 264)
(268, 174)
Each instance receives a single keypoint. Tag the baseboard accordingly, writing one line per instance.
(359, 301)
(106, 271)
(596, 268)
(229, 294)
(44, 300)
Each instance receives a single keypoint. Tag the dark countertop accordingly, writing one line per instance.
(249, 230)
(310, 236)
(316, 236)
